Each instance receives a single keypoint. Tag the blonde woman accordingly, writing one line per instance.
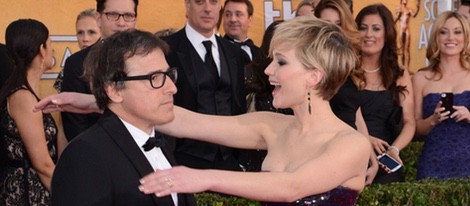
(446, 130)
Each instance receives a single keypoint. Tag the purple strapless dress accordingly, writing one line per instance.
(338, 196)
(446, 150)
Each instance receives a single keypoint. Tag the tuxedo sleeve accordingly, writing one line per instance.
(80, 178)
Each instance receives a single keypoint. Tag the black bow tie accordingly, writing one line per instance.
(152, 142)
(248, 42)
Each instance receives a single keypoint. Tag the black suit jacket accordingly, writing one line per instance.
(73, 123)
(182, 56)
(102, 166)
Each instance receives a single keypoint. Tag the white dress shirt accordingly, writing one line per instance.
(196, 40)
(155, 156)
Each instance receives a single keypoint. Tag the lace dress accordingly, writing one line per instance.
(19, 182)
(446, 150)
(340, 196)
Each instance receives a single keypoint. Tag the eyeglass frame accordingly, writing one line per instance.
(126, 19)
(169, 72)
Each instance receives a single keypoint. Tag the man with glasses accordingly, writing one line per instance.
(112, 16)
(134, 86)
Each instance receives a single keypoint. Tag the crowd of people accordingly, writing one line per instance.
(151, 118)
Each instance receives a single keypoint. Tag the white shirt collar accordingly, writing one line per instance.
(196, 38)
(139, 136)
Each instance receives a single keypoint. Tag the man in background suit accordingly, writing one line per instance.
(134, 85)
(216, 89)
(237, 18)
(464, 9)
(5, 65)
(112, 16)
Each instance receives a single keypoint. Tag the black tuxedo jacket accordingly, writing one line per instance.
(102, 166)
(184, 56)
(73, 123)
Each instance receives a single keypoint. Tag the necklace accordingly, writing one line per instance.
(372, 70)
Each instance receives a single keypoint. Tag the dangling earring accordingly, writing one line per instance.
(309, 107)
(42, 64)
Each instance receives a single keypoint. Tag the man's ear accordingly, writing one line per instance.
(315, 76)
(113, 93)
(98, 19)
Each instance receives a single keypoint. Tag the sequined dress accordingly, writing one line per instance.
(18, 187)
(340, 196)
(446, 150)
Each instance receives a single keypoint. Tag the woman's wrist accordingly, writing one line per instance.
(394, 149)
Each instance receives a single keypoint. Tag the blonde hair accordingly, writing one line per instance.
(86, 13)
(433, 51)
(318, 45)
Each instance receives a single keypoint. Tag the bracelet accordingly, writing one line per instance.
(394, 148)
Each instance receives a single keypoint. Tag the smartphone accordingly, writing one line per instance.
(447, 100)
(386, 161)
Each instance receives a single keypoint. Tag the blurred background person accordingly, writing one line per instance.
(387, 99)
(237, 18)
(87, 32)
(113, 16)
(165, 32)
(346, 102)
(30, 141)
(446, 150)
(210, 81)
(305, 8)
(87, 28)
(464, 9)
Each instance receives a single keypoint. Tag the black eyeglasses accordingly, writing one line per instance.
(114, 16)
(157, 79)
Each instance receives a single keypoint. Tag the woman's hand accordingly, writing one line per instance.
(177, 179)
(68, 102)
(439, 114)
(461, 113)
(372, 169)
(379, 145)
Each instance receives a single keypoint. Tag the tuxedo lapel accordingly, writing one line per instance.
(123, 139)
(187, 60)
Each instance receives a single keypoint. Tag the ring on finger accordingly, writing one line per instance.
(169, 182)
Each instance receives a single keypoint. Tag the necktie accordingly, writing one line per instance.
(209, 60)
(152, 142)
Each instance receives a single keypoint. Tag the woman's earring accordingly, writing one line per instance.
(42, 64)
(309, 107)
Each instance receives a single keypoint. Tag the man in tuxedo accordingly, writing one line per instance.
(112, 16)
(134, 85)
(464, 9)
(209, 82)
(237, 18)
